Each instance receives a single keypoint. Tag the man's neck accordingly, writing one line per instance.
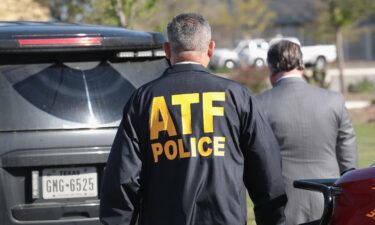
(279, 76)
(190, 56)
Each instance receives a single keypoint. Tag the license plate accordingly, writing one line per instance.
(69, 182)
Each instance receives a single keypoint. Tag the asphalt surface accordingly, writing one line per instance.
(351, 76)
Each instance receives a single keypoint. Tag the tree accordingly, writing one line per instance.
(230, 19)
(70, 10)
(338, 15)
(237, 19)
(107, 12)
(16, 10)
(171, 8)
(124, 11)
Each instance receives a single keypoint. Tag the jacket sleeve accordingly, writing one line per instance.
(120, 192)
(262, 175)
(346, 143)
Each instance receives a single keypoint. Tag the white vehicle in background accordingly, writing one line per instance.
(319, 55)
(224, 58)
(316, 56)
(247, 52)
(253, 52)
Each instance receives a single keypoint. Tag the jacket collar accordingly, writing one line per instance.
(290, 80)
(186, 67)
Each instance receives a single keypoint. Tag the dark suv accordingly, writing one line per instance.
(62, 91)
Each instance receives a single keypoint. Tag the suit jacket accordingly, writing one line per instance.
(188, 145)
(316, 139)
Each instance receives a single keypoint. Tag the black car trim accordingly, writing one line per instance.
(328, 191)
(63, 129)
(114, 38)
(55, 156)
(56, 211)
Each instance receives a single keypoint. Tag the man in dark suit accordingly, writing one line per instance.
(189, 145)
(313, 129)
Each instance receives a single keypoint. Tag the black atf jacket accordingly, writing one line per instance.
(188, 146)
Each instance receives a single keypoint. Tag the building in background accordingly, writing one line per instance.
(294, 15)
(293, 18)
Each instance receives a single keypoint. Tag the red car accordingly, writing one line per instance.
(349, 200)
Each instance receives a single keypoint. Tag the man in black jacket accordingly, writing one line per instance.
(188, 145)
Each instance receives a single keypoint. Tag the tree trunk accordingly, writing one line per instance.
(129, 12)
(340, 59)
(230, 6)
(119, 8)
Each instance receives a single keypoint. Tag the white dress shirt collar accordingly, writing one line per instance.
(186, 62)
(288, 76)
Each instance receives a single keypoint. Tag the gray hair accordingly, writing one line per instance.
(189, 32)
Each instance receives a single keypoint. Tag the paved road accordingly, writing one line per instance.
(357, 104)
(351, 75)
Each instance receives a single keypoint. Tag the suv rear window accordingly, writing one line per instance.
(63, 94)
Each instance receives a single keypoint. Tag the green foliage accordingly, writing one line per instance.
(366, 144)
(339, 15)
(244, 18)
(250, 211)
(361, 87)
(247, 17)
(70, 10)
(126, 11)
(103, 14)
(256, 79)
(221, 70)
(318, 78)
(335, 18)
(146, 14)
(348, 12)
(167, 9)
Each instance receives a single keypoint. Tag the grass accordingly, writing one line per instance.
(250, 213)
(366, 144)
(366, 150)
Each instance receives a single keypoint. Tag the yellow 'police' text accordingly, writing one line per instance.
(161, 120)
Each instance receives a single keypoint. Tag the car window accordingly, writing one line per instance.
(244, 50)
(59, 95)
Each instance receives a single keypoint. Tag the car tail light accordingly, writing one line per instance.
(62, 41)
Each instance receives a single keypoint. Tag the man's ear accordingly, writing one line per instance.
(167, 50)
(211, 49)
